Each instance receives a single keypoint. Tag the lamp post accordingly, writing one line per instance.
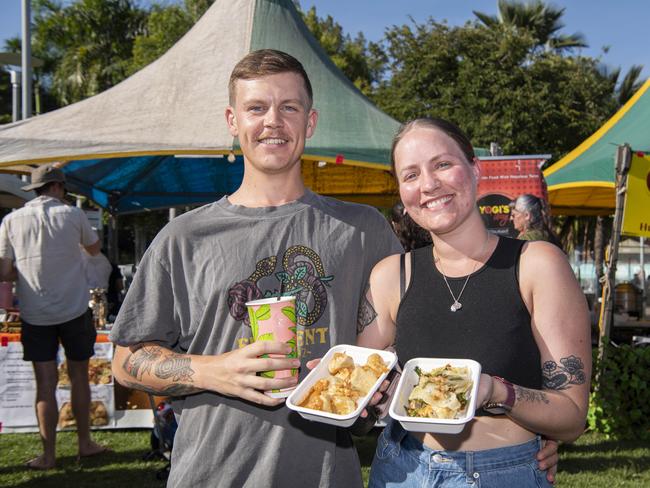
(15, 95)
(26, 63)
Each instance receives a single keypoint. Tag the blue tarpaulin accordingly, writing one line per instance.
(134, 184)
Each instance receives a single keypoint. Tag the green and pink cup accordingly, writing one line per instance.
(274, 319)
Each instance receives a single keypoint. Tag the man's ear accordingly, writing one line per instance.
(231, 121)
(312, 119)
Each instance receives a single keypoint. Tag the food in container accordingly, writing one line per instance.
(440, 393)
(436, 395)
(340, 387)
(347, 382)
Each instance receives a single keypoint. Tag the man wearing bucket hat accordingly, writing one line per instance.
(40, 243)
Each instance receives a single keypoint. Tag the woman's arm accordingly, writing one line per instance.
(378, 308)
(560, 323)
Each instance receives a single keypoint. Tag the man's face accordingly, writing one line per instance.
(272, 119)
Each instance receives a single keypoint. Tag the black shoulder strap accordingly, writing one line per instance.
(402, 275)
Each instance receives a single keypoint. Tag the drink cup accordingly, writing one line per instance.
(274, 319)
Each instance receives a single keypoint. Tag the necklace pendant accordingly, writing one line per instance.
(456, 306)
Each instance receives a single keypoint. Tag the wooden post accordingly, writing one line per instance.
(623, 159)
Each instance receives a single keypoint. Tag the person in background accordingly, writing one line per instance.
(513, 306)
(410, 234)
(40, 248)
(531, 219)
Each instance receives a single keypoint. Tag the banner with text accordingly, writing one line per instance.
(636, 214)
(502, 180)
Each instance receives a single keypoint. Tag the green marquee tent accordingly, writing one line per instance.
(582, 183)
(175, 107)
(176, 104)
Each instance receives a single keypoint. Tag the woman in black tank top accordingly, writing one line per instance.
(514, 307)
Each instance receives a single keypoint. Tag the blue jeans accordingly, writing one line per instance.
(402, 460)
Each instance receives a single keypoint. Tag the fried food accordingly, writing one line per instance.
(99, 372)
(98, 415)
(339, 361)
(339, 392)
(442, 393)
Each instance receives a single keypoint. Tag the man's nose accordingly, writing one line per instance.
(273, 117)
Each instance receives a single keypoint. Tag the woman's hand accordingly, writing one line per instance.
(485, 390)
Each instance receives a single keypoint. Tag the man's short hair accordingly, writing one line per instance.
(46, 188)
(263, 63)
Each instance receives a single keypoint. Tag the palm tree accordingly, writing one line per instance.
(87, 44)
(630, 84)
(542, 21)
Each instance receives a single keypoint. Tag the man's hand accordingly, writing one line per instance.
(234, 373)
(548, 458)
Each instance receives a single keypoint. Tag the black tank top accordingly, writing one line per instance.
(493, 326)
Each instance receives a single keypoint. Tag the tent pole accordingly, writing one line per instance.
(113, 253)
(623, 159)
(644, 297)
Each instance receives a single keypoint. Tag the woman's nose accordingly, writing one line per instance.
(430, 181)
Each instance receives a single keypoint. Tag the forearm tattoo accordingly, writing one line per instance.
(533, 396)
(366, 313)
(139, 362)
(560, 377)
(171, 390)
(175, 366)
(166, 366)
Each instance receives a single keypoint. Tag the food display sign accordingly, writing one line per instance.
(18, 388)
(502, 179)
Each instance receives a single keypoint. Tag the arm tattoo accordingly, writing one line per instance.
(366, 313)
(560, 377)
(171, 390)
(526, 395)
(138, 363)
(175, 366)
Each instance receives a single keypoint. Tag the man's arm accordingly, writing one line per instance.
(7, 270)
(94, 249)
(158, 370)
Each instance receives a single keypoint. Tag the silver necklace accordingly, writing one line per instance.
(457, 305)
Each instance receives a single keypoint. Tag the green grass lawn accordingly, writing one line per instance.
(591, 462)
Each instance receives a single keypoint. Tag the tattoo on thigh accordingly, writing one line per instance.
(175, 366)
(526, 395)
(570, 371)
(140, 362)
(366, 313)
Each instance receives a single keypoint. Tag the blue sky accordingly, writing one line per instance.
(619, 24)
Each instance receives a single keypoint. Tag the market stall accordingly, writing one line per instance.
(112, 406)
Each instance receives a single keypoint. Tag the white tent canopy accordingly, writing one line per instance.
(176, 104)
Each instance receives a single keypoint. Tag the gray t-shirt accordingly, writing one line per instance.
(189, 294)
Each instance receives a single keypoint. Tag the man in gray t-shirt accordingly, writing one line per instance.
(183, 328)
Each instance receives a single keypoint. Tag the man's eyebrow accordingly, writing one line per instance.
(255, 101)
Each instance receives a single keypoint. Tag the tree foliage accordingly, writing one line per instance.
(87, 44)
(165, 25)
(541, 20)
(494, 83)
(361, 61)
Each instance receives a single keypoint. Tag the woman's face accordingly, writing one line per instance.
(436, 182)
(519, 220)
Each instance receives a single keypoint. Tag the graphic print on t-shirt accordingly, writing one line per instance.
(300, 272)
